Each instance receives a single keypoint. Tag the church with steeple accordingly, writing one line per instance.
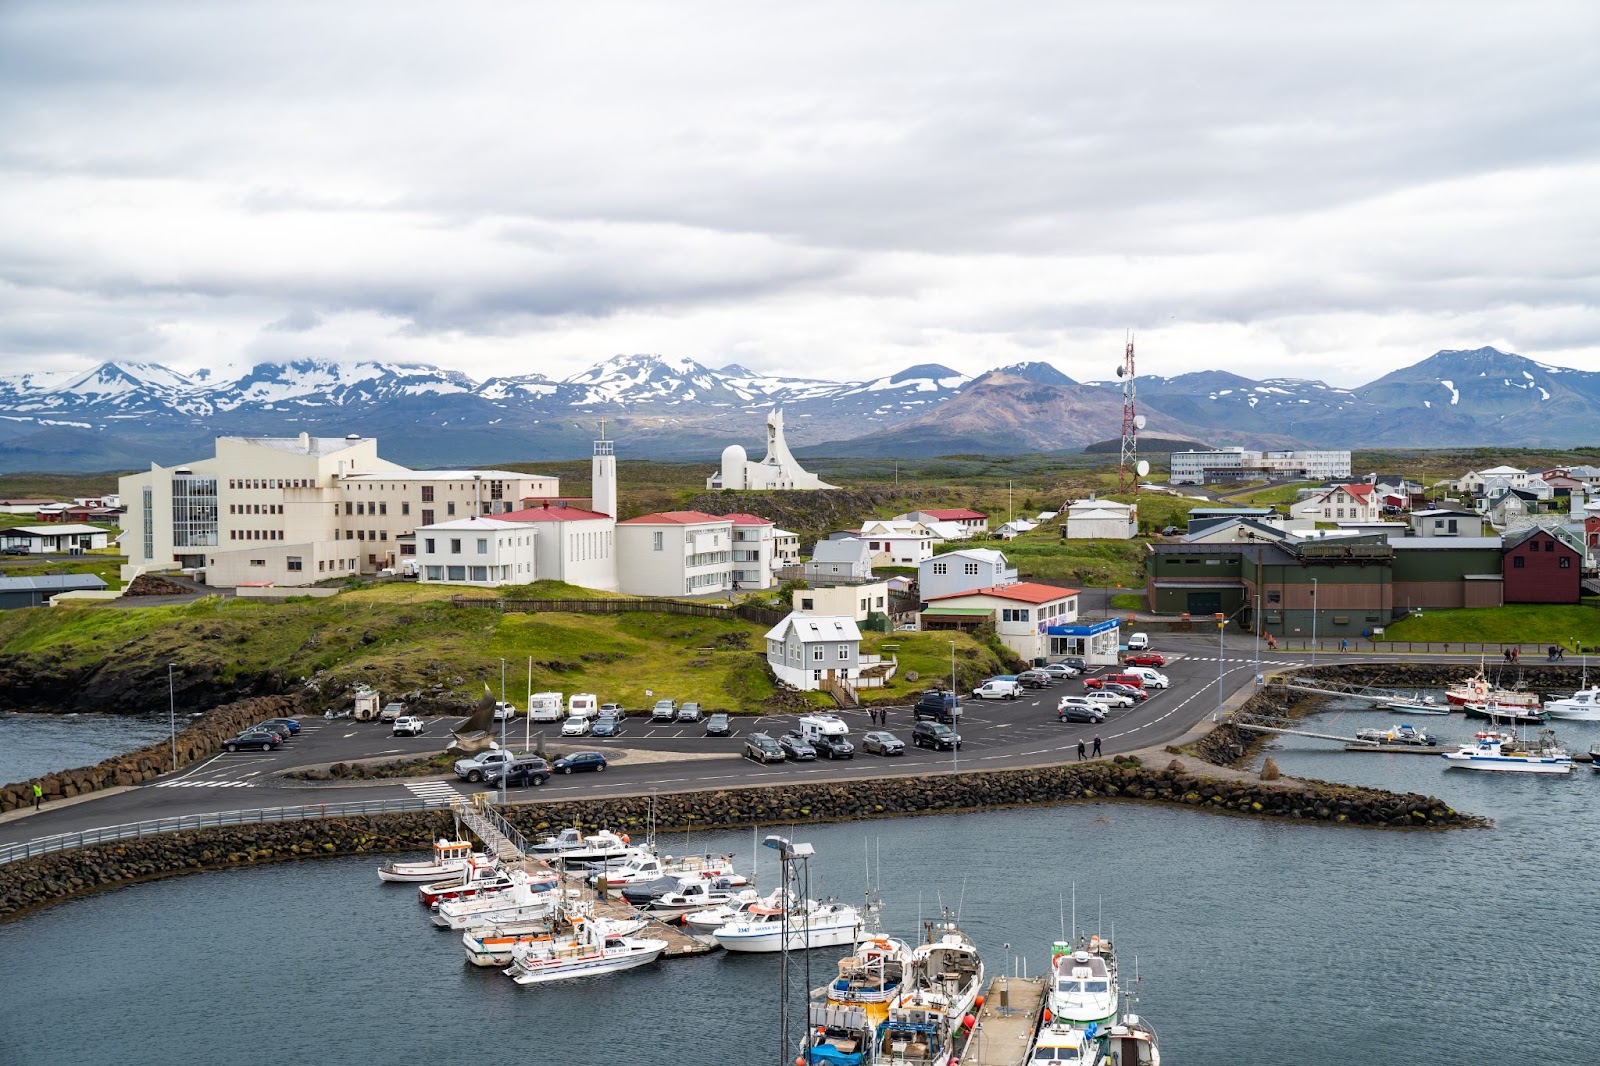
(779, 470)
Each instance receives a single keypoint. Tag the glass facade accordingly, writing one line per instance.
(149, 524)
(194, 512)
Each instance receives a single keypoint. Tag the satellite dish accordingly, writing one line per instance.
(1143, 468)
(1138, 421)
(1120, 371)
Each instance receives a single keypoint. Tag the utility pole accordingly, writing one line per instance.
(1313, 621)
(172, 717)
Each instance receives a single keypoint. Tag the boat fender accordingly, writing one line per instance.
(968, 1021)
(977, 1004)
(1047, 1016)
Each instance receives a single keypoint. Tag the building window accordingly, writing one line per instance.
(427, 518)
(483, 545)
(258, 562)
(450, 508)
(656, 540)
(383, 508)
(293, 563)
(808, 605)
(349, 508)
(970, 569)
(435, 573)
(816, 653)
(1565, 563)
(457, 573)
(1518, 562)
(455, 545)
(427, 545)
(844, 653)
(194, 512)
(480, 573)
(405, 507)
(149, 523)
(427, 494)
(1274, 596)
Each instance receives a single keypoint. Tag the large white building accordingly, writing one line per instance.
(779, 470)
(755, 551)
(675, 553)
(1239, 464)
(574, 545)
(477, 551)
(1022, 614)
(294, 510)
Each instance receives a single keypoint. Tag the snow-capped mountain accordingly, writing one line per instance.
(680, 408)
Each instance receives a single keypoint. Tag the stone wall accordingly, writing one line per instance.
(201, 739)
(35, 883)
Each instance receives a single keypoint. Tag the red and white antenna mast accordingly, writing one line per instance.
(1129, 469)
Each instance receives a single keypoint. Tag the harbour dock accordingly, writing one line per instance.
(1397, 749)
(1006, 1022)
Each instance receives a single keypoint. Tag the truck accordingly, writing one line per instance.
(997, 688)
(545, 707)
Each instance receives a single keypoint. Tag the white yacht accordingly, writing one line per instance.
(713, 918)
(1499, 752)
(525, 900)
(592, 949)
(1083, 983)
(1581, 706)
(813, 925)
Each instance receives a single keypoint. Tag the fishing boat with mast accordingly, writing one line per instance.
(942, 986)
(593, 948)
(1581, 706)
(1478, 690)
(449, 859)
(1496, 712)
(847, 1013)
(1500, 752)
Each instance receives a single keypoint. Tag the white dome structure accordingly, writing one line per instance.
(778, 470)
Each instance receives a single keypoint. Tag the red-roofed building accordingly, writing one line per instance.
(1021, 613)
(754, 551)
(976, 523)
(1342, 503)
(675, 553)
(574, 544)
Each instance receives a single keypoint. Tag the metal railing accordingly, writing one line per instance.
(132, 830)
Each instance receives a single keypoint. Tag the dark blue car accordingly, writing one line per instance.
(279, 725)
(578, 761)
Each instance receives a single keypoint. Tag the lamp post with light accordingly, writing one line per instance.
(1313, 621)
(788, 853)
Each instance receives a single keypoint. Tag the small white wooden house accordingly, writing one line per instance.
(849, 558)
(1342, 503)
(1094, 519)
(812, 651)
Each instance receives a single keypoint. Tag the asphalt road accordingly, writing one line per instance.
(1002, 733)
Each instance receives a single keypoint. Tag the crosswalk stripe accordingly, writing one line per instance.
(204, 784)
(431, 790)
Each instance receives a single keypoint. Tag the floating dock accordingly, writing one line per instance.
(1006, 1023)
(1398, 749)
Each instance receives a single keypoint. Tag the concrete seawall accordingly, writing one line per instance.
(35, 883)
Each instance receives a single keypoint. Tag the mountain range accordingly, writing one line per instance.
(123, 414)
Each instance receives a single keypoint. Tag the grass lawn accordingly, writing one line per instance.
(1128, 601)
(108, 567)
(1525, 623)
(1271, 496)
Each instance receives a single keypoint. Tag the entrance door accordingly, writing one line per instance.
(1204, 603)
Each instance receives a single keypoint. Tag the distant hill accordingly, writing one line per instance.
(1148, 446)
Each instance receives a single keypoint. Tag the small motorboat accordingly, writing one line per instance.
(692, 894)
(1423, 704)
(644, 868)
(524, 900)
(449, 857)
(591, 949)
(1404, 734)
(1581, 706)
(597, 847)
(1499, 712)
(713, 918)
(814, 925)
(495, 945)
(569, 839)
(478, 877)
(1132, 1042)
(1497, 752)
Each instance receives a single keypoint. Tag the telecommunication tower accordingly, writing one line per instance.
(1129, 468)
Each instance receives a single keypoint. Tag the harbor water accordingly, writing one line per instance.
(35, 744)
(1257, 942)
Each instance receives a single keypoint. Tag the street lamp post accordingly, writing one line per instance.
(1313, 621)
(955, 697)
(172, 717)
(505, 768)
(788, 852)
(1222, 623)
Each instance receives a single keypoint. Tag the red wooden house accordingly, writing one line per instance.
(1542, 565)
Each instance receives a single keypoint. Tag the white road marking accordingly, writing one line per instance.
(347, 736)
(431, 790)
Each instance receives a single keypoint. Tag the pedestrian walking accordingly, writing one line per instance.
(1506, 655)
(1081, 750)
(1097, 745)
(1344, 645)
(1516, 655)
(38, 790)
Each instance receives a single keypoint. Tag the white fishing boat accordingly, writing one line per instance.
(569, 839)
(1083, 985)
(524, 900)
(449, 858)
(598, 847)
(1077, 1045)
(495, 944)
(813, 925)
(1581, 706)
(1477, 689)
(1403, 735)
(644, 867)
(1500, 753)
(480, 876)
(591, 949)
(1131, 1041)
(943, 979)
(692, 894)
(1422, 704)
(845, 1015)
(711, 919)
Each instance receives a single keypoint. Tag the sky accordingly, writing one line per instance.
(831, 190)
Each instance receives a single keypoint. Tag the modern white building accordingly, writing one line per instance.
(55, 539)
(574, 545)
(1094, 519)
(294, 510)
(970, 523)
(896, 543)
(779, 470)
(754, 551)
(1239, 464)
(477, 551)
(1022, 613)
(675, 553)
(963, 570)
(855, 600)
(785, 548)
(812, 651)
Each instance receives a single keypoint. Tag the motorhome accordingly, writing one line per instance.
(813, 727)
(582, 705)
(545, 707)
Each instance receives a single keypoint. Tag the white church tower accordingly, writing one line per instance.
(603, 475)
(779, 470)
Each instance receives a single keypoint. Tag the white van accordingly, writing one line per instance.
(1151, 678)
(545, 707)
(1139, 642)
(814, 727)
(582, 705)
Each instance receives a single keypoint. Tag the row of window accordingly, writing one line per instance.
(818, 652)
(970, 569)
(271, 483)
(592, 545)
(255, 508)
(295, 563)
(379, 507)
(703, 581)
(1518, 561)
(467, 573)
(255, 534)
(706, 559)
(366, 534)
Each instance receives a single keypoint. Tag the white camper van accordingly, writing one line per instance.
(814, 727)
(545, 707)
(582, 705)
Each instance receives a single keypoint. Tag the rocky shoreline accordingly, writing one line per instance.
(41, 882)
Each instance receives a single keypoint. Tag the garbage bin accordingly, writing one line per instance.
(1040, 661)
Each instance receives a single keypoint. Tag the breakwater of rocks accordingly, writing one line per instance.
(200, 739)
(30, 884)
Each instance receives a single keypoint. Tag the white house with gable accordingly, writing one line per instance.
(810, 651)
(896, 543)
(964, 569)
(477, 551)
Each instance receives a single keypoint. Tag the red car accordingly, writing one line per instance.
(1131, 680)
(1145, 658)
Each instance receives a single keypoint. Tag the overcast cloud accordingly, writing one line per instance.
(825, 189)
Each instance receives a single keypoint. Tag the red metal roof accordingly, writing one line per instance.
(952, 514)
(549, 514)
(672, 518)
(1025, 591)
(739, 518)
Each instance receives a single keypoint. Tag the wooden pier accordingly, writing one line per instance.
(1397, 749)
(1006, 1023)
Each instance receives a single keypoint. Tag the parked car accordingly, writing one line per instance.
(409, 725)
(391, 710)
(612, 710)
(1144, 658)
(1035, 679)
(575, 727)
(997, 689)
(579, 760)
(1131, 680)
(606, 727)
(1079, 709)
(14, 549)
(264, 739)
(664, 711)
(690, 712)
(882, 743)
(834, 746)
(1150, 677)
(279, 725)
(762, 748)
(1139, 642)
(521, 771)
(1077, 662)
(1137, 695)
(504, 709)
(935, 735)
(906, 627)
(718, 725)
(1060, 671)
(937, 704)
(796, 746)
(478, 766)
(1106, 698)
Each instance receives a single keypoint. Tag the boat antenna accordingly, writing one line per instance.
(1100, 916)
(1074, 912)
(1061, 911)
(961, 901)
